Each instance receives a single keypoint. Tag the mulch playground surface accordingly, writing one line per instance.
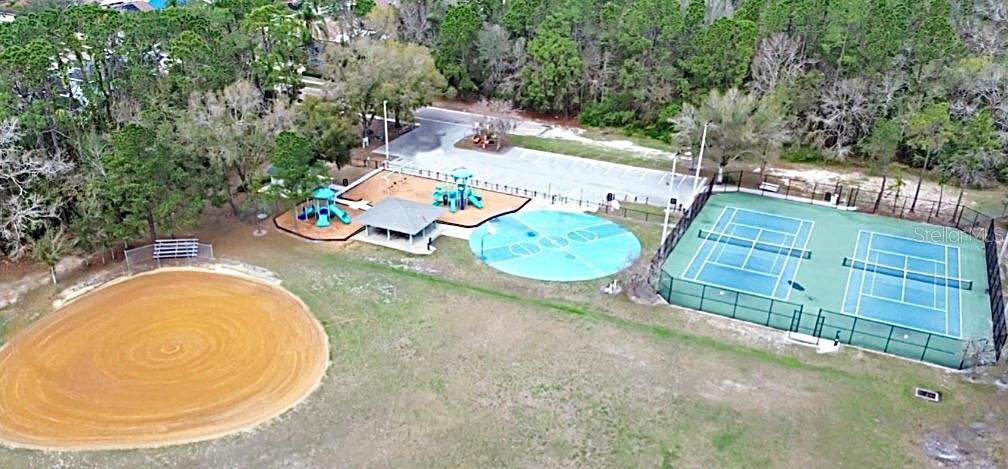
(386, 184)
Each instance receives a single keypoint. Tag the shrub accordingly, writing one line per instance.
(613, 111)
(802, 154)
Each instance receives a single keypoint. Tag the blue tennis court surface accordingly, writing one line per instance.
(905, 281)
(752, 251)
(556, 246)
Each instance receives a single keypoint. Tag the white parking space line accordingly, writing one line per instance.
(643, 175)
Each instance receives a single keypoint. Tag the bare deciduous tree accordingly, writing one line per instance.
(25, 206)
(499, 119)
(418, 20)
(501, 60)
(843, 117)
(983, 25)
(778, 60)
(234, 128)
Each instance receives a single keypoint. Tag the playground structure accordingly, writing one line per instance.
(322, 207)
(457, 197)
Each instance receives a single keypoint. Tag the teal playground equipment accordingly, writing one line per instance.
(461, 195)
(322, 207)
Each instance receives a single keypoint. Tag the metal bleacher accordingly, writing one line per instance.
(176, 248)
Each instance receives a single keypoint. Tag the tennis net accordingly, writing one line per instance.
(941, 281)
(753, 244)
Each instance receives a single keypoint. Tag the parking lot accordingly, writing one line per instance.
(431, 147)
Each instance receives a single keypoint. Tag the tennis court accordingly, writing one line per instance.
(752, 251)
(893, 285)
(905, 281)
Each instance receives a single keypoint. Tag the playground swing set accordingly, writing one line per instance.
(458, 196)
(322, 207)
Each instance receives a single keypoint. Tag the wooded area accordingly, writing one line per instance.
(119, 126)
(122, 126)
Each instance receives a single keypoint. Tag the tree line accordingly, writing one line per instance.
(122, 126)
(919, 82)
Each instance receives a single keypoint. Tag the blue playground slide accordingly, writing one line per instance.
(339, 214)
(323, 219)
(475, 200)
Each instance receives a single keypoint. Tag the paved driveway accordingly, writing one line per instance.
(431, 147)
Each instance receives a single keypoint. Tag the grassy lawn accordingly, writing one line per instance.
(594, 152)
(443, 362)
(596, 133)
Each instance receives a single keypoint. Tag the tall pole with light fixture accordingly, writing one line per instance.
(385, 113)
(668, 201)
(699, 163)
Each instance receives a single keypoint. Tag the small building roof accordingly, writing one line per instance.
(400, 215)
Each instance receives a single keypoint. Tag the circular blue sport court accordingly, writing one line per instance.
(555, 246)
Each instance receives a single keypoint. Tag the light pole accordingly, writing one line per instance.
(699, 163)
(668, 201)
(490, 231)
(385, 112)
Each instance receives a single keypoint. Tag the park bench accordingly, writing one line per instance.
(768, 186)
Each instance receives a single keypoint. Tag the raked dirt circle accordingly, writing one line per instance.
(162, 358)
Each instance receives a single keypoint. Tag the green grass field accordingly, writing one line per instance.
(442, 362)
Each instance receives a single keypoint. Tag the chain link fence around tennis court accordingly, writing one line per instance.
(906, 342)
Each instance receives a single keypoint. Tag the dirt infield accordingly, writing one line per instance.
(390, 184)
(172, 356)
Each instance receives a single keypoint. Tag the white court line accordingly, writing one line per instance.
(960, 293)
(906, 261)
(946, 292)
(929, 259)
(564, 249)
(893, 300)
(735, 267)
(751, 249)
(789, 233)
(700, 248)
(857, 310)
(799, 260)
(771, 214)
(780, 275)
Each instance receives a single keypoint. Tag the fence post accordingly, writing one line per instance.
(926, 344)
(853, 326)
(735, 306)
(815, 185)
(886, 348)
(703, 294)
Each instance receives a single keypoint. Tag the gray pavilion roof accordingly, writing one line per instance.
(400, 215)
